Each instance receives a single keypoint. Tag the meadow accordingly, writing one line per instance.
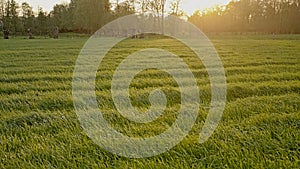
(260, 127)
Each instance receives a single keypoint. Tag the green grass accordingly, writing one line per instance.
(260, 127)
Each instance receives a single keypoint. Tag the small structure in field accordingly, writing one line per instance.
(55, 32)
(30, 35)
(5, 33)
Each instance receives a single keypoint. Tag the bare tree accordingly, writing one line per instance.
(143, 6)
(2, 11)
(158, 8)
(175, 8)
(163, 3)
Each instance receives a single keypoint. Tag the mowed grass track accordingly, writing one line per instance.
(260, 127)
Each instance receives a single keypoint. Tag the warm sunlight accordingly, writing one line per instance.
(150, 84)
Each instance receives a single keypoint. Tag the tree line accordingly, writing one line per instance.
(79, 15)
(82, 16)
(87, 16)
(267, 16)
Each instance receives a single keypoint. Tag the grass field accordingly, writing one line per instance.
(260, 127)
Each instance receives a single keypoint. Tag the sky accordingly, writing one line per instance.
(189, 6)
